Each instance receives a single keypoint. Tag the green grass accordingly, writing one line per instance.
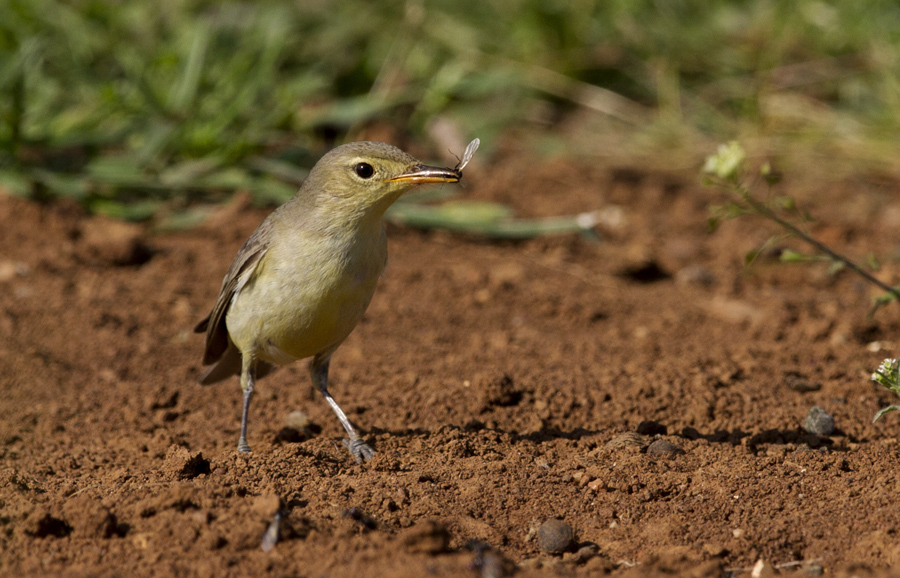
(131, 107)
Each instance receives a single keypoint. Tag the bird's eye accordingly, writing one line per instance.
(364, 170)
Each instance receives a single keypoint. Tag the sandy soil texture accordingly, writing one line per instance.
(648, 390)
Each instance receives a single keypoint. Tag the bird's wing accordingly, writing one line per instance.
(243, 267)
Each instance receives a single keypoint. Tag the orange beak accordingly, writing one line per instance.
(422, 174)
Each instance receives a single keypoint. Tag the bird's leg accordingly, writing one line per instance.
(318, 369)
(248, 379)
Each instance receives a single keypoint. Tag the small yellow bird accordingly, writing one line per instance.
(302, 281)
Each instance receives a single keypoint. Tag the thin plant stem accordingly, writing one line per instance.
(766, 212)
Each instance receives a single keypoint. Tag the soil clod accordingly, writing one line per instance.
(42, 524)
(360, 517)
(555, 536)
(426, 537)
(501, 392)
(664, 449)
(107, 242)
(651, 428)
(90, 518)
(183, 464)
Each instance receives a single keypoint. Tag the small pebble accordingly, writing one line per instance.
(762, 569)
(695, 275)
(664, 449)
(818, 421)
(492, 563)
(800, 384)
(296, 420)
(9, 270)
(582, 478)
(555, 536)
(597, 485)
(814, 569)
(273, 533)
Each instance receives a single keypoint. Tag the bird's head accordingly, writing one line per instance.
(365, 178)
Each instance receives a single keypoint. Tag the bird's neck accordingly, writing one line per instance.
(337, 217)
(348, 216)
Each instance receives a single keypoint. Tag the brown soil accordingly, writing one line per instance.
(495, 380)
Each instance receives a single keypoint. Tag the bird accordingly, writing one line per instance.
(303, 280)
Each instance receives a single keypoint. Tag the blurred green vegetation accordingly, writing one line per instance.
(135, 106)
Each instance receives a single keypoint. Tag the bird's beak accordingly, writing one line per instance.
(422, 174)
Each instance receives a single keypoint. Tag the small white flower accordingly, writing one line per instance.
(888, 375)
(727, 162)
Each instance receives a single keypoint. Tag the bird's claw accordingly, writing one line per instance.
(359, 449)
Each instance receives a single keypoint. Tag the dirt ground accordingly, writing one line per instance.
(501, 383)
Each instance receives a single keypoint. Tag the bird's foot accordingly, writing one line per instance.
(243, 446)
(359, 449)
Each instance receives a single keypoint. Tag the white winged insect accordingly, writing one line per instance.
(467, 156)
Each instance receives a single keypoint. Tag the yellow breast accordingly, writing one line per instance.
(306, 297)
